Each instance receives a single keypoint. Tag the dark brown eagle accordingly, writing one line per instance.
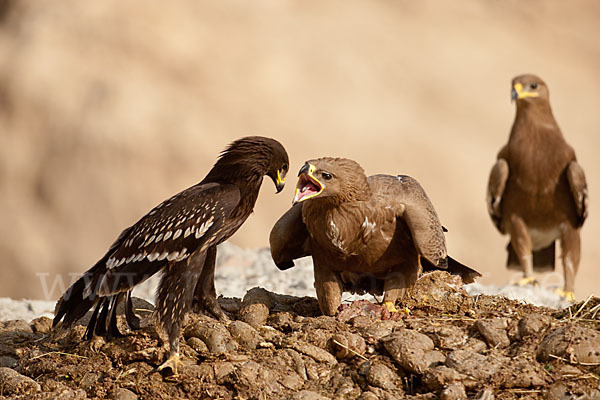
(365, 235)
(537, 191)
(179, 237)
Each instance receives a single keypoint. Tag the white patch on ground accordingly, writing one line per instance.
(241, 269)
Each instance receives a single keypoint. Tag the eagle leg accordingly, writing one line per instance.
(521, 244)
(133, 320)
(205, 296)
(397, 283)
(113, 330)
(570, 243)
(329, 289)
(174, 299)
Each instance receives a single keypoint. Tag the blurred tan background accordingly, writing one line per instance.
(109, 107)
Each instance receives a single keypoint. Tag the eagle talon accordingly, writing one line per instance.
(526, 281)
(566, 295)
(388, 305)
(171, 363)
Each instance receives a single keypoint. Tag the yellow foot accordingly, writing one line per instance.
(388, 305)
(526, 281)
(566, 295)
(172, 363)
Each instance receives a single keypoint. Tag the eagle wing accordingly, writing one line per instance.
(496, 186)
(578, 186)
(289, 238)
(406, 196)
(171, 232)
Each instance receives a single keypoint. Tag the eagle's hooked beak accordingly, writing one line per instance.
(280, 181)
(517, 92)
(308, 185)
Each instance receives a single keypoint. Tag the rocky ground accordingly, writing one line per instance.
(451, 345)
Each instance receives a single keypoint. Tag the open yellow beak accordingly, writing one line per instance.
(308, 185)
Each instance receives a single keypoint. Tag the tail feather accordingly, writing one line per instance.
(467, 274)
(454, 267)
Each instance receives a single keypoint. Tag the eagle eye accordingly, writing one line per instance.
(534, 86)
(284, 167)
(327, 176)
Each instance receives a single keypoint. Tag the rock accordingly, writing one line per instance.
(454, 391)
(476, 366)
(6, 361)
(255, 306)
(347, 345)
(474, 344)
(69, 394)
(308, 395)
(197, 344)
(311, 350)
(245, 335)
(217, 338)
(409, 349)
(522, 373)
(533, 324)
(41, 325)
(448, 337)
(439, 377)
(437, 290)
(573, 343)
(485, 394)
(123, 394)
(13, 383)
(494, 332)
(223, 370)
(19, 325)
(380, 375)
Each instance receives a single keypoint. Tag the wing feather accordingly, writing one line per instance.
(289, 238)
(496, 186)
(578, 185)
(187, 222)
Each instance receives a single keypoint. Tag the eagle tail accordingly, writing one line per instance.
(543, 259)
(467, 274)
(74, 304)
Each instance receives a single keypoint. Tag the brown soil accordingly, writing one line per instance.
(450, 345)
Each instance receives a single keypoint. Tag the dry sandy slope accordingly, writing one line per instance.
(107, 108)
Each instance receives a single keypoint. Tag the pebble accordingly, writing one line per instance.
(380, 375)
(41, 325)
(533, 324)
(13, 383)
(245, 335)
(123, 394)
(494, 332)
(454, 391)
(347, 345)
(412, 350)
(477, 366)
(9, 362)
(574, 343)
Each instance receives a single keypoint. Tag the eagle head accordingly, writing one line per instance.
(337, 179)
(528, 88)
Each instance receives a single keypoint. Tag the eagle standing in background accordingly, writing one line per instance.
(179, 237)
(537, 192)
(365, 235)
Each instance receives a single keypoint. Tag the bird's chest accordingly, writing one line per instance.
(352, 238)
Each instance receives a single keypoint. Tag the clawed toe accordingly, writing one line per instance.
(566, 295)
(526, 281)
(172, 363)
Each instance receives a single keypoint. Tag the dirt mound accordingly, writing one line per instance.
(450, 345)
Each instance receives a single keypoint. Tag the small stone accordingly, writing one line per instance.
(9, 362)
(533, 324)
(313, 351)
(255, 307)
(308, 395)
(18, 325)
(573, 343)
(123, 394)
(409, 348)
(13, 383)
(476, 366)
(438, 377)
(244, 334)
(380, 375)
(494, 332)
(347, 345)
(41, 325)
(222, 370)
(217, 338)
(454, 391)
(197, 344)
